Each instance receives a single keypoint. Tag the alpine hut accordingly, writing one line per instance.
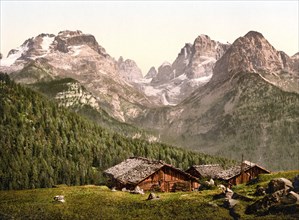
(205, 171)
(149, 175)
(241, 173)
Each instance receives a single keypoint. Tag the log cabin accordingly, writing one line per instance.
(241, 173)
(205, 171)
(149, 175)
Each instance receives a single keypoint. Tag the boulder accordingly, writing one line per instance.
(113, 189)
(260, 191)
(137, 190)
(296, 183)
(59, 198)
(210, 182)
(274, 201)
(153, 196)
(222, 187)
(229, 193)
(230, 203)
(290, 198)
(279, 184)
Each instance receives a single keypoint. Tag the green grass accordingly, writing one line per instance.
(99, 202)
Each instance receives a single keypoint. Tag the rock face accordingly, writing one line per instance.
(151, 73)
(217, 117)
(254, 54)
(73, 54)
(217, 98)
(67, 39)
(192, 68)
(129, 70)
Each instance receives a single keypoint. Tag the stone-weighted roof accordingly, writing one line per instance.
(236, 170)
(136, 169)
(209, 170)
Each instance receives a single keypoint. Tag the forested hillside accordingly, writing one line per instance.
(43, 144)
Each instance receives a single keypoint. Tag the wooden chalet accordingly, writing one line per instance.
(205, 171)
(241, 173)
(150, 175)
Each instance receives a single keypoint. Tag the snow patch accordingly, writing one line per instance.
(182, 77)
(11, 59)
(151, 91)
(144, 80)
(175, 91)
(165, 102)
(203, 79)
(76, 50)
(35, 57)
(267, 80)
(47, 41)
(185, 52)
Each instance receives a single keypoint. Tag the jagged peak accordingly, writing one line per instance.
(129, 62)
(68, 33)
(251, 53)
(151, 73)
(45, 35)
(254, 34)
(165, 63)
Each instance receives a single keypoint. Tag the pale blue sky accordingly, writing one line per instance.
(151, 32)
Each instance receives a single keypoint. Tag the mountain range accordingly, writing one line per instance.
(218, 98)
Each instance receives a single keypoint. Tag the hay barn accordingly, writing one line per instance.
(149, 175)
(241, 173)
(205, 171)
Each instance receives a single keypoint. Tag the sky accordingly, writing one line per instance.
(151, 32)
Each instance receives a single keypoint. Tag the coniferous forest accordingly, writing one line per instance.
(43, 144)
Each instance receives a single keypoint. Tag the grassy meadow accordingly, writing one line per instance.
(99, 202)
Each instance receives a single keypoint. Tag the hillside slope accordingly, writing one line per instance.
(43, 144)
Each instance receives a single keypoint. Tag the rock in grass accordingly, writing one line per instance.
(279, 184)
(229, 193)
(59, 198)
(260, 191)
(230, 203)
(137, 190)
(153, 196)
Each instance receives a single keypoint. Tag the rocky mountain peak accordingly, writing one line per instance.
(205, 52)
(252, 53)
(151, 73)
(128, 69)
(66, 39)
(68, 33)
(165, 73)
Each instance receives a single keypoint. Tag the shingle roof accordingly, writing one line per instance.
(210, 170)
(236, 170)
(136, 169)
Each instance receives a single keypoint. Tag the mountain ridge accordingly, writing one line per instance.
(243, 100)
